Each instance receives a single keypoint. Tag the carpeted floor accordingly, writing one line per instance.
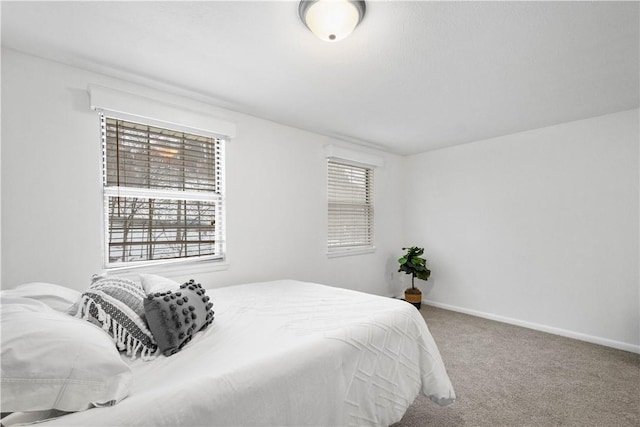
(505, 375)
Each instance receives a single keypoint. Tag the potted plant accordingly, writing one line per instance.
(412, 263)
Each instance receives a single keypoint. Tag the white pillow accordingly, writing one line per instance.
(51, 360)
(153, 283)
(57, 297)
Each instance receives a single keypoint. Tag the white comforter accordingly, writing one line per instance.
(287, 353)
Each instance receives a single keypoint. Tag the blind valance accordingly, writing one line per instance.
(136, 108)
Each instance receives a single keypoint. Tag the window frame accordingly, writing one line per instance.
(217, 196)
(352, 158)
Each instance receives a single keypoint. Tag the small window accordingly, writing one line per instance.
(163, 194)
(350, 190)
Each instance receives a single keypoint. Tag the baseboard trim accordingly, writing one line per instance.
(538, 327)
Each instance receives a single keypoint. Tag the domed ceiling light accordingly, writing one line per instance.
(331, 20)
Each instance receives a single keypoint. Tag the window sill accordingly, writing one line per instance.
(350, 252)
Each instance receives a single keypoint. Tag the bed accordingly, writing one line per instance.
(279, 353)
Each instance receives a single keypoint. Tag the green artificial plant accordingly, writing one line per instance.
(412, 263)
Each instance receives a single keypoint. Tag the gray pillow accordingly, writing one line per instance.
(175, 316)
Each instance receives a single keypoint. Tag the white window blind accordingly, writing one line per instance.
(350, 190)
(163, 194)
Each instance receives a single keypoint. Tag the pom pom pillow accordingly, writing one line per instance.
(116, 305)
(175, 316)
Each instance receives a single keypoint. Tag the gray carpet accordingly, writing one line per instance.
(505, 375)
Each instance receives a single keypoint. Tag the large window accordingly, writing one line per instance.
(350, 190)
(163, 194)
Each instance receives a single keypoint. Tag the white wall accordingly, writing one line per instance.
(276, 187)
(538, 228)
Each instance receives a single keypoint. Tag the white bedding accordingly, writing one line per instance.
(287, 353)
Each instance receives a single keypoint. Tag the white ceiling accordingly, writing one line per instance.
(414, 76)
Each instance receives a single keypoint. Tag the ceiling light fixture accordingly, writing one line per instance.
(331, 20)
